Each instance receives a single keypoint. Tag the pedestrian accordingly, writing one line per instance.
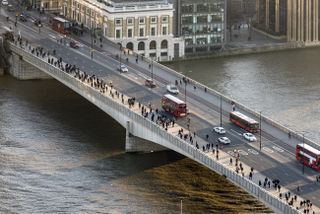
(259, 183)
(207, 136)
(230, 161)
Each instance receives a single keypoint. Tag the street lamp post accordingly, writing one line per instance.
(303, 148)
(260, 130)
(185, 89)
(152, 70)
(120, 50)
(221, 110)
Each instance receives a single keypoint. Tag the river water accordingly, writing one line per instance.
(60, 154)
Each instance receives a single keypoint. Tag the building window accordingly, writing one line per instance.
(153, 45)
(153, 19)
(164, 19)
(152, 55)
(164, 44)
(118, 34)
(164, 53)
(129, 33)
(164, 31)
(153, 31)
(141, 32)
(141, 46)
(141, 20)
(129, 21)
(118, 21)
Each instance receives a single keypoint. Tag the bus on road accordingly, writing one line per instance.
(244, 121)
(174, 105)
(308, 156)
(61, 25)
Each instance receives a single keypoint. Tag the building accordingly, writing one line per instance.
(298, 20)
(144, 26)
(202, 24)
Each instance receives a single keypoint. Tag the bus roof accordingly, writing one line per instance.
(245, 117)
(60, 19)
(174, 99)
(309, 148)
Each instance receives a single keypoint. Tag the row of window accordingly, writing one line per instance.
(142, 20)
(142, 33)
(152, 45)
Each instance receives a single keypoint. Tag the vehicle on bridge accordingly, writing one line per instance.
(150, 83)
(174, 105)
(244, 121)
(61, 25)
(308, 156)
(224, 140)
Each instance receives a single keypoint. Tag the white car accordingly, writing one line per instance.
(5, 3)
(224, 140)
(250, 137)
(123, 68)
(172, 89)
(219, 130)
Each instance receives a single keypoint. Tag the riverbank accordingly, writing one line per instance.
(248, 50)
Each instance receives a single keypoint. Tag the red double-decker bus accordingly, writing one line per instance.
(174, 105)
(244, 121)
(308, 155)
(61, 25)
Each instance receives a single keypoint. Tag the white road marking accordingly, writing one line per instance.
(230, 153)
(253, 151)
(266, 149)
(278, 149)
(238, 133)
(243, 152)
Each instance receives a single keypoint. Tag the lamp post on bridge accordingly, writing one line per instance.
(220, 110)
(260, 129)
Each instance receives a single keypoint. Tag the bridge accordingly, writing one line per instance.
(143, 134)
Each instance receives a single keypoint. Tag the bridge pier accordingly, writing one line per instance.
(137, 144)
(22, 70)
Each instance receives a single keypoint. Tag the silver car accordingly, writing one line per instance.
(224, 140)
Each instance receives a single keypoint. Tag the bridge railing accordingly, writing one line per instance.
(174, 142)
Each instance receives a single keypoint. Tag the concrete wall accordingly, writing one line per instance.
(24, 71)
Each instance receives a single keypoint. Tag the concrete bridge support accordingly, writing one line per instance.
(136, 144)
(25, 71)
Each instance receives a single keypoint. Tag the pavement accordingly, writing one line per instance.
(276, 158)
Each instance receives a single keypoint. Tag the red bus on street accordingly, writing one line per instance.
(308, 156)
(61, 25)
(174, 105)
(244, 121)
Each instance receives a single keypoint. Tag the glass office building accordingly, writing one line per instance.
(202, 24)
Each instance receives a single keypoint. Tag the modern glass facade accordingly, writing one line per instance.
(202, 24)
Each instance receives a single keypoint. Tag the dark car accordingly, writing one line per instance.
(37, 22)
(74, 45)
(22, 18)
(150, 83)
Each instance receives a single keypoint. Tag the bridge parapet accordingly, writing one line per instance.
(144, 128)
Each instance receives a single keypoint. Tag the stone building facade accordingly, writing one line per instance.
(146, 27)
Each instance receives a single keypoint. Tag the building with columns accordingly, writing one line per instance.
(144, 26)
(298, 20)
